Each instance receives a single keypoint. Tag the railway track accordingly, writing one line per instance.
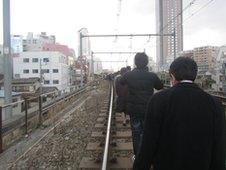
(108, 144)
(111, 144)
(54, 148)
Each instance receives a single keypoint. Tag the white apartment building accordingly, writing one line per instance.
(152, 65)
(54, 66)
(16, 44)
(35, 43)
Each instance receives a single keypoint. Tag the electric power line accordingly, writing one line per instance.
(180, 13)
(197, 11)
(118, 13)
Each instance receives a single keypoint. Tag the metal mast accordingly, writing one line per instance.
(7, 57)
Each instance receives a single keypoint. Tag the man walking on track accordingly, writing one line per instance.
(121, 95)
(141, 84)
(184, 126)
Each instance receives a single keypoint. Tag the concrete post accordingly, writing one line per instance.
(1, 144)
(26, 113)
(81, 61)
(40, 110)
(7, 57)
(174, 44)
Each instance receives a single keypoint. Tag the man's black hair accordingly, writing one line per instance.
(128, 68)
(184, 68)
(141, 60)
(123, 70)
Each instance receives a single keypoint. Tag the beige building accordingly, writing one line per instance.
(188, 53)
(168, 21)
(205, 58)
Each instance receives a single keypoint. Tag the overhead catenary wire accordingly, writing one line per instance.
(179, 14)
(197, 11)
(183, 21)
(187, 7)
(116, 29)
(118, 13)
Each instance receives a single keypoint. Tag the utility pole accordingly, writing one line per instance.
(174, 43)
(224, 77)
(40, 94)
(161, 38)
(40, 75)
(92, 66)
(81, 61)
(7, 57)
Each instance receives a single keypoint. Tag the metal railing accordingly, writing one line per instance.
(34, 110)
(212, 93)
(107, 140)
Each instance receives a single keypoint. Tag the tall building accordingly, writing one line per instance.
(84, 49)
(169, 19)
(205, 58)
(97, 66)
(85, 42)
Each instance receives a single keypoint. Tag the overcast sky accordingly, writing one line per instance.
(64, 18)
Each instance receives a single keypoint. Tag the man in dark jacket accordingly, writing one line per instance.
(184, 126)
(141, 84)
(121, 94)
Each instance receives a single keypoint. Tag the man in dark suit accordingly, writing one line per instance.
(184, 126)
(121, 95)
(141, 84)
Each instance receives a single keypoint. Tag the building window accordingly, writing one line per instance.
(45, 60)
(46, 82)
(55, 81)
(17, 75)
(26, 60)
(45, 70)
(34, 60)
(55, 71)
(35, 71)
(25, 71)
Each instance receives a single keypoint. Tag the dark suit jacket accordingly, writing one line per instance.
(141, 84)
(184, 130)
(121, 95)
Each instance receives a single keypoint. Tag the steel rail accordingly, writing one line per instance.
(107, 140)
